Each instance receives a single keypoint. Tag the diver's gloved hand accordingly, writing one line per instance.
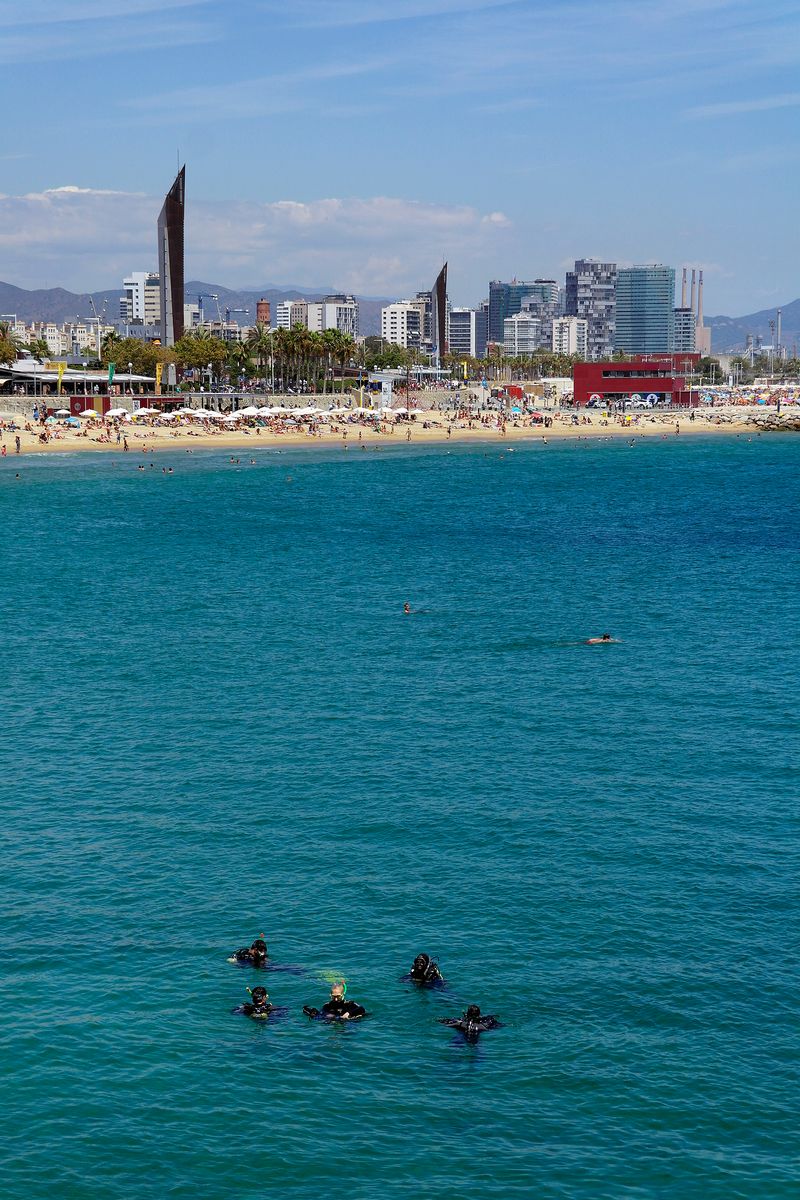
(310, 1012)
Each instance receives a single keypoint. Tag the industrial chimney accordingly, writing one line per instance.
(700, 301)
(693, 290)
(683, 289)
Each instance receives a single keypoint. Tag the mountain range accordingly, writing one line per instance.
(729, 334)
(57, 304)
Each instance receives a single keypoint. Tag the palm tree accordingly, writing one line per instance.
(10, 344)
(260, 343)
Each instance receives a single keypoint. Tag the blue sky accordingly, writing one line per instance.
(357, 143)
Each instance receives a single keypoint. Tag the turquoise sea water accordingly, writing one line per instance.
(216, 721)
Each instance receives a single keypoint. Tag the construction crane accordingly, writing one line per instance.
(228, 312)
(201, 296)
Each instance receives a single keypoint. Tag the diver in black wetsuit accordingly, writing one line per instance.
(252, 956)
(425, 972)
(337, 1008)
(259, 1008)
(472, 1023)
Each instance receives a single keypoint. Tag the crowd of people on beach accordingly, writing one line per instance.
(423, 973)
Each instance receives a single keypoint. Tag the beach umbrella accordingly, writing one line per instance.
(62, 412)
(89, 412)
(117, 412)
(250, 411)
(265, 412)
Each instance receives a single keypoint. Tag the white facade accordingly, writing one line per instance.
(521, 334)
(570, 335)
(334, 312)
(289, 313)
(400, 323)
(141, 301)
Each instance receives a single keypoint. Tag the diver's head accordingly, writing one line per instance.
(473, 1013)
(337, 991)
(421, 962)
(259, 948)
(260, 996)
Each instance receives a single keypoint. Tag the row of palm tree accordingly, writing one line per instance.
(297, 356)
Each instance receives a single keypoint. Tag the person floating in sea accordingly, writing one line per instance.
(406, 608)
(254, 955)
(605, 640)
(337, 1008)
(425, 972)
(259, 1006)
(472, 1023)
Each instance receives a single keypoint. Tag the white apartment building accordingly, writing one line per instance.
(334, 312)
(289, 313)
(570, 335)
(141, 301)
(402, 323)
(521, 334)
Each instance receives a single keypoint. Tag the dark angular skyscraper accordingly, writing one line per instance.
(439, 313)
(170, 261)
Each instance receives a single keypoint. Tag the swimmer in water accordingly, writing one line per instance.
(472, 1023)
(425, 972)
(259, 1006)
(605, 640)
(254, 955)
(406, 608)
(337, 1008)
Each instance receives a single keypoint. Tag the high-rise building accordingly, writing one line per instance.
(439, 308)
(464, 335)
(170, 260)
(140, 303)
(570, 335)
(591, 294)
(521, 334)
(505, 300)
(289, 313)
(645, 315)
(263, 314)
(402, 324)
(334, 312)
(684, 336)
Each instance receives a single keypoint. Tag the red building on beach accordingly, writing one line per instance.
(661, 379)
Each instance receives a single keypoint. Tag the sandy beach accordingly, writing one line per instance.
(143, 436)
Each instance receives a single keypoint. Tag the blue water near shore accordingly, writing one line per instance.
(216, 721)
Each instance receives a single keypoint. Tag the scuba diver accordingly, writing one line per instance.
(252, 956)
(258, 1007)
(337, 1008)
(425, 972)
(472, 1023)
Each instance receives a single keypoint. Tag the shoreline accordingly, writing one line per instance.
(149, 440)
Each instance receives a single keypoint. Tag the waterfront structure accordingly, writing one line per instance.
(570, 335)
(645, 309)
(521, 334)
(591, 294)
(140, 302)
(170, 260)
(655, 378)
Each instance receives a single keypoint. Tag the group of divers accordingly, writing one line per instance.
(424, 973)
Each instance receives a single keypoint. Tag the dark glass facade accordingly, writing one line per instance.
(170, 260)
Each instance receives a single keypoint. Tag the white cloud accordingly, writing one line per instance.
(730, 108)
(82, 238)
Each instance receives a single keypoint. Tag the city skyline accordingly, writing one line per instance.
(691, 156)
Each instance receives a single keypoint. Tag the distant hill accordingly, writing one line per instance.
(729, 334)
(57, 304)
